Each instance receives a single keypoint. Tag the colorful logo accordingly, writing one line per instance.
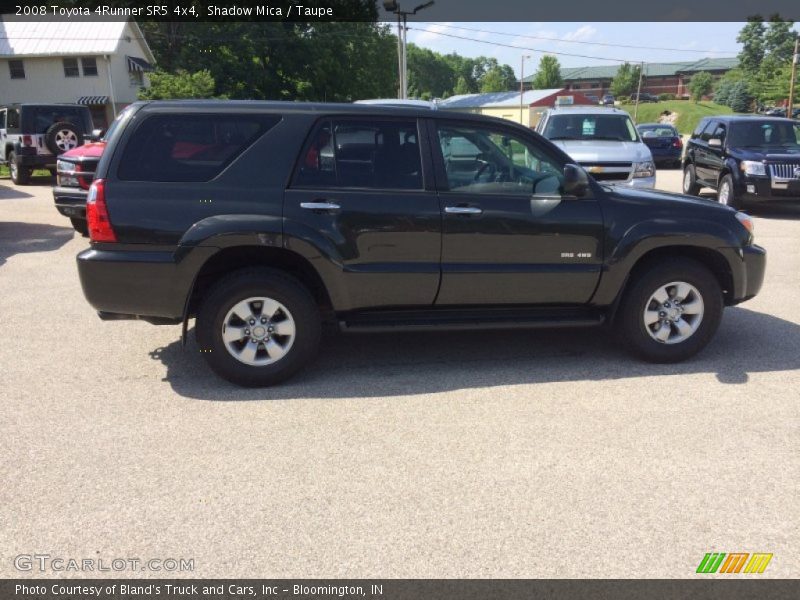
(734, 562)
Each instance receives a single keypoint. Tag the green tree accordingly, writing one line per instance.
(493, 81)
(168, 86)
(779, 39)
(740, 98)
(752, 39)
(701, 85)
(462, 87)
(723, 91)
(548, 75)
(626, 80)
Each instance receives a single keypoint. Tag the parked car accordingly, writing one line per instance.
(607, 100)
(644, 97)
(74, 174)
(387, 219)
(592, 98)
(746, 159)
(664, 142)
(781, 112)
(602, 140)
(33, 135)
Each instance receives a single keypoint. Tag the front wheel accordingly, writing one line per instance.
(671, 311)
(690, 185)
(257, 327)
(726, 195)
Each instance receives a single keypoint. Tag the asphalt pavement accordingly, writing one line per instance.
(501, 454)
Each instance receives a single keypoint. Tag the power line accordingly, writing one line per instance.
(552, 39)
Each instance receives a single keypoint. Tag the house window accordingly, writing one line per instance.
(71, 67)
(16, 69)
(136, 78)
(89, 64)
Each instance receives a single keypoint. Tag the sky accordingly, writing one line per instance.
(675, 41)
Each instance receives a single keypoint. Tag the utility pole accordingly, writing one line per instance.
(392, 6)
(638, 93)
(522, 85)
(795, 58)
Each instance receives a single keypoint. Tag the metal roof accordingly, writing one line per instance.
(64, 38)
(650, 69)
(497, 99)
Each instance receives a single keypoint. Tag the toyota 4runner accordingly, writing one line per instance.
(262, 219)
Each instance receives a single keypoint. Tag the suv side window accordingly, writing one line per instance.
(708, 130)
(12, 121)
(492, 161)
(719, 132)
(699, 129)
(372, 154)
(193, 147)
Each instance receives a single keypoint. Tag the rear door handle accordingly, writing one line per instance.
(462, 210)
(320, 205)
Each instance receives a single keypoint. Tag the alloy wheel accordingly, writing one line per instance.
(258, 331)
(674, 312)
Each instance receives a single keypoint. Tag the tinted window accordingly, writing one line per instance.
(708, 130)
(590, 127)
(487, 161)
(362, 154)
(765, 133)
(37, 119)
(699, 129)
(189, 147)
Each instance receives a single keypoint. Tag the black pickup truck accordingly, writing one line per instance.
(262, 219)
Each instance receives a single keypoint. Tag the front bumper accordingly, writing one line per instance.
(70, 201)
(763, 189)
(748, 265)
(647, 183)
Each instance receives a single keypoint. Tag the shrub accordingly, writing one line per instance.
(664, 97)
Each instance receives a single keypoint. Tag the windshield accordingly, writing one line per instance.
(618, 128)
(772, 134)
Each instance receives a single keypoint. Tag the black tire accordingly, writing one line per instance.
(631, 315)
(727, 183)
(248, 283)
(58, 134)
(80, 225)
(19, 175)
(690, 185)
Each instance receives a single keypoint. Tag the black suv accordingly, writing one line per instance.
(32, 136)
(261, 219)
(745, 159)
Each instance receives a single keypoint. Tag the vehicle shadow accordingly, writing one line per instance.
(379, 365)
(11, 192)
(17, 238)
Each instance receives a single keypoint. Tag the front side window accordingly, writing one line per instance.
(486, 161)
(708, 131)
(71, 67)
(89, 64)
(618, 128)
(362, 154)
(189, 148)
(16, 69)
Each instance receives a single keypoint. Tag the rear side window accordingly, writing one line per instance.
(38, 119)
(362, 154)
(189, 148)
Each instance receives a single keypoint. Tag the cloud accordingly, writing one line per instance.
(581, 34)
(431, 32)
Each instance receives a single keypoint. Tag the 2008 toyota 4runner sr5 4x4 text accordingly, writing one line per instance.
(263, 219)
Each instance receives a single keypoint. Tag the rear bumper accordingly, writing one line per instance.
(666, 155)
(146, 284)
(70, 201)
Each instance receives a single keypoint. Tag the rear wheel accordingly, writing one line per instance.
(671, 311)
(257, 327)
(19, 175)
(726, 194)
(690, 185)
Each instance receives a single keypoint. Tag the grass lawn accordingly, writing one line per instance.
(689, 113)
(37, 173)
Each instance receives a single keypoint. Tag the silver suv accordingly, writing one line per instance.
(604, 141)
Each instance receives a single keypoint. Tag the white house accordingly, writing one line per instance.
(100, 64)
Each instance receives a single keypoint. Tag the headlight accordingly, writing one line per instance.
(67, 180)
(644, 169)
(747, 222)
(752, 167)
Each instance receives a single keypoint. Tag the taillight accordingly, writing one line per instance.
(27, 140)
(677, 143)
(100, 229)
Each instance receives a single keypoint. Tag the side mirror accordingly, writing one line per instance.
(96, 135)
(715, 143)
(576, 181)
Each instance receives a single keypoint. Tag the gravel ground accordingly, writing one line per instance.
(523, 454)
